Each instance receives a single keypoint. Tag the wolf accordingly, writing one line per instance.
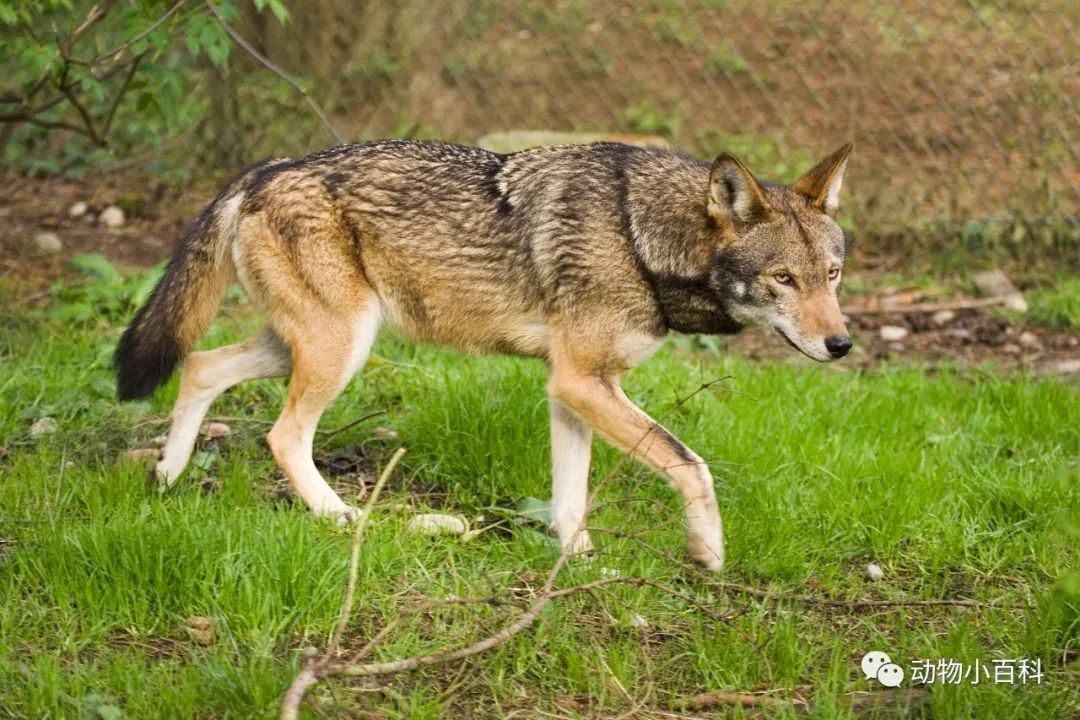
(585, 256)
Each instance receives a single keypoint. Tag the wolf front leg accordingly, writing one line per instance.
(571, 446)
(599, 401)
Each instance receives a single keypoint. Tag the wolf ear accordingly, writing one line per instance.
(821, 186)
(734, 194)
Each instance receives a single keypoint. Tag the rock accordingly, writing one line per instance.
(381, 433)
(639, 622)
(873, 572)
(140, 455)
(892, 333)
(159, 440)
(943, 317)
(515, 140)
(48, 242)
(1029, 340)
(78, 209)
(995, 284)
(896, 347)
(1067, 367)
(201, 629)
(112, 217)
(1011, 349)
(438, 524)
(43, 426)
(961, 334)
(89, 218)
(216, 430)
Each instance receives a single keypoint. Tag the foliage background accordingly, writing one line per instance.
(964, 114)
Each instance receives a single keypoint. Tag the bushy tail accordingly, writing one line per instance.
(184, 302)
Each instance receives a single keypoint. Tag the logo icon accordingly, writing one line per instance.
(879, 666)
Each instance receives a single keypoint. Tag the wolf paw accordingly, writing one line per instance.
(708, 555)
(349, 516)
(579, 544)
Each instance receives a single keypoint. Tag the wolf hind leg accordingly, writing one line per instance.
(205, 376)
(326, 353)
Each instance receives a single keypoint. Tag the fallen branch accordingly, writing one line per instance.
(746, 700)
(930, 307)
(327, 434)
(323, 667)
(290, 705)
(856, 702)
(269, 64)
(863, 604)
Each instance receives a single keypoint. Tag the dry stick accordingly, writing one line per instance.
(120, 96)
(310, 675)
(327, 434)
(239, 40)
(354, 561)
(417, 661)
(97, 12)
(136, 38)
(856, 701)
(290, 706)
(745, 700)
(965, 304)
(862, 604)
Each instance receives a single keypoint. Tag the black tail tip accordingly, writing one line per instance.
(143, 366)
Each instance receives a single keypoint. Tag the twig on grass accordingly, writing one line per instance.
(354, 560)
(290, 706)
(862, 604)
(745, 700)
(855, 701)
(328, 434)
(314, 671)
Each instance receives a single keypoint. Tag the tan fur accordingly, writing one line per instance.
(584, 256)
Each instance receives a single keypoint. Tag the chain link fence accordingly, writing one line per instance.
(963, 114)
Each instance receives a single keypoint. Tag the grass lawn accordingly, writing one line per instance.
(959, 483)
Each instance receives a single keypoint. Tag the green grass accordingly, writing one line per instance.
(1057, 306)
(960, 483)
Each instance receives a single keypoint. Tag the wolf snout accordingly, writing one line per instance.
(838, 345)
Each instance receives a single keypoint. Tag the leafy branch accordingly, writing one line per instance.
(71, 78)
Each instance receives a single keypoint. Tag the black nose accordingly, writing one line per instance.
(838, 345)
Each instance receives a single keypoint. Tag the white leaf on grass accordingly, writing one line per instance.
(438, 524)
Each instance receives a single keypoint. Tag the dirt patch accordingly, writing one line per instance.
(970, 337)
(155, 219)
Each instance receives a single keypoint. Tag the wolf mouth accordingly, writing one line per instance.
(789, 341)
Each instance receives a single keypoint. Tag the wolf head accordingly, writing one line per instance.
(780, 253)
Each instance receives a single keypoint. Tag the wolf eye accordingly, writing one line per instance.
(834, 273)
(782, 277)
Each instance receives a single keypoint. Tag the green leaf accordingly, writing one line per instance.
(280, 11)
(534, 509)
(97, 266)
